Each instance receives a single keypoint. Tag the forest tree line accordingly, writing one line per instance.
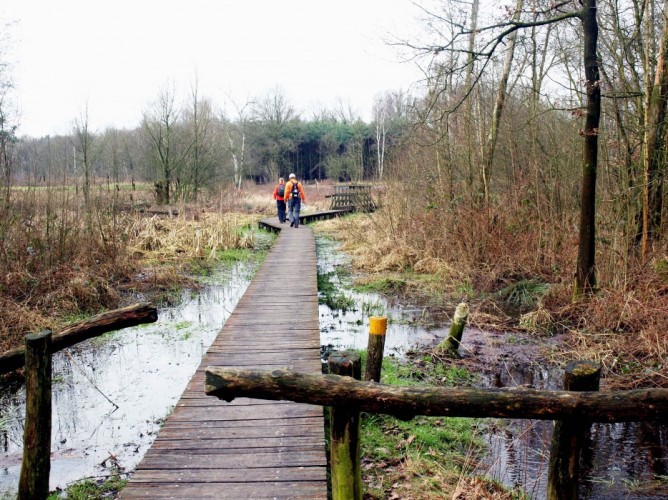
(192, 147)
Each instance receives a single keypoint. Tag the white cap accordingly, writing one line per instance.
(291, 176)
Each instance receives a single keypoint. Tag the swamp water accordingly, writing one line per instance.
(622, 461)
(111, 394)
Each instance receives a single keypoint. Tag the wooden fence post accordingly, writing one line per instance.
(36, 464)
(454, 338)
(344, 434)
(375, 348)
(569, 435)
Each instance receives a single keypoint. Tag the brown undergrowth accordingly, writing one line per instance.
(60, 260)
(515, 270)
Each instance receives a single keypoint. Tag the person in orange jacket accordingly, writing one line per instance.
(279, 196)
(294, 197)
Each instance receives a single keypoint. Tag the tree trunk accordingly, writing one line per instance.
(498, 109)
(585, 275)
(655, 145)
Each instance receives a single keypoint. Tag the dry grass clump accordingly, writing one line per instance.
(163, 240)
(626, 330)
(419, 479)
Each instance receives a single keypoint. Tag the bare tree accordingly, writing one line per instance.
(83, 141)
(170, 147)
(236, 137)
(488, 40)
(655, 142)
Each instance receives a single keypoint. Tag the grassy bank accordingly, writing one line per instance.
(428, 457)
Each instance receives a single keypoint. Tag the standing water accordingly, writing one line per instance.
(111, 394)
(625, 460)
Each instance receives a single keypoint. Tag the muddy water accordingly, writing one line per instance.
(111, 394)
(627, 460)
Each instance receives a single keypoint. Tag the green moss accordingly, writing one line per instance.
(383, 285)
(89, 489)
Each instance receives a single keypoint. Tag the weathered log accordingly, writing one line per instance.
(375, 348)
(451, 343)
(569, 435)
(97, 325)
(36, 463)
(407, 402)
(344, 434)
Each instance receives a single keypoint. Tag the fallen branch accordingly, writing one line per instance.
(407, 402)
(97, 325)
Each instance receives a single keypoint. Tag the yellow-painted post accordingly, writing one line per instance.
(375, 348)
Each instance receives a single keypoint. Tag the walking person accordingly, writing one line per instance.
(294, 196)
(279, 196)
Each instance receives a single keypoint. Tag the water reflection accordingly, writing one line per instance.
(625, 460)
(111, 394)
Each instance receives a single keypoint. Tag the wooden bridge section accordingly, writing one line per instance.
(250, 448)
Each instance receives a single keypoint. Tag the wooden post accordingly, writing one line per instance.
(375, 348)
(563, 476)
(344, 434)
(36, 464)
(454, 338)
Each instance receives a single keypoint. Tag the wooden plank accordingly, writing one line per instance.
(241, 424)
(227, 490)
(176, 460)
(242, 445)
(204, 433)
(250, 448)
(231, 475)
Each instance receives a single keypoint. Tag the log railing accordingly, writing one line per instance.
(575, 410)
(36, 357)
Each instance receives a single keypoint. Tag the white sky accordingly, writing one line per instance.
(117, 55)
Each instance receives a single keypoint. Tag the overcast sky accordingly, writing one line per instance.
(117, 55)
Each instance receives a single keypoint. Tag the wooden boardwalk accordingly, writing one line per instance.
(249, 448)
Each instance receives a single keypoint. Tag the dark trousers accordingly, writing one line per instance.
(294, 205)
(280, 207)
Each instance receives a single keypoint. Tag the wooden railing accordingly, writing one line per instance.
(36, 358)
(352, 197)
(573, 409)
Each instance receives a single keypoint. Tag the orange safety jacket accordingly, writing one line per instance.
(288, 190)
(276, 196)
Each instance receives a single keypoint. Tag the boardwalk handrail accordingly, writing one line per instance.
(36, 356)
(352, 196)
(408, 402)
(133, 315)
(573, 411)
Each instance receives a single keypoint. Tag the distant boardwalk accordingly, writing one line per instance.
(250, 448)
